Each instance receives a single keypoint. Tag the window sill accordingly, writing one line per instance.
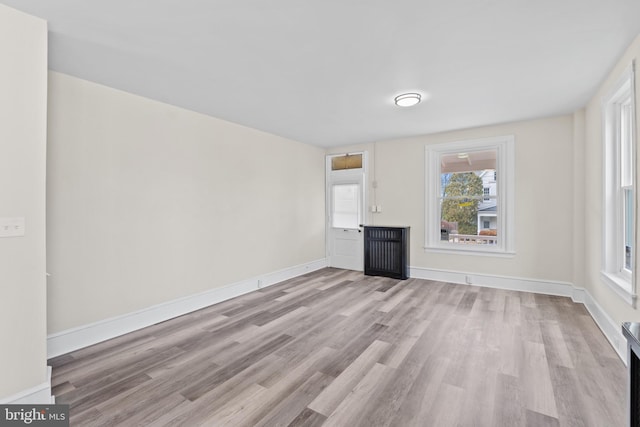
(469, 251)
(620, 287)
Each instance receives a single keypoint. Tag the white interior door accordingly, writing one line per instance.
(345, 217)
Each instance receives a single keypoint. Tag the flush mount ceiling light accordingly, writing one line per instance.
(408, 99)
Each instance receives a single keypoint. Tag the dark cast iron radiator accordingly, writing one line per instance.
(386, 251)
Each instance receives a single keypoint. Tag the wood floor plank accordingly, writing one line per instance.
(414, 386)
(311, 336)
(512, 314)
(570, 405)
(283, 319)
(348, 413)
(335, 347)
(398, 353)
(508, 407)
(510, 356)
(229, 390)
(141, 410)
(542, 420)
(555, 345)
(335, 393)
(213, 379)
(446, 408)
(239, 411)
(314, 362)
(288, 409)
(286, 385)
(353, 349)
(143, 361)
(89, 418)
(83, 400)
(393, 302)
(330, 285)
(540, 397)
(308, 418)
(368, 301)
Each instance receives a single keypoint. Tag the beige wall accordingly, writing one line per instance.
(558, 197)
(617, 309)
(23, 101)
(579, 229)
(148, 203)
(543, 206)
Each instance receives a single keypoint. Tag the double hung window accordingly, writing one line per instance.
(619, 201)
(469, 200)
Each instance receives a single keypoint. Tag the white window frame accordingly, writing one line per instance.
(613, 273)
(505, 183)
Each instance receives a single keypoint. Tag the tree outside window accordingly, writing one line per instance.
(461, 198)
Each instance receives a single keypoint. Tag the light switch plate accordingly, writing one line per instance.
(12, 227)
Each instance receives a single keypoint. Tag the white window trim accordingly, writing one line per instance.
(612, 273)
(505, 189)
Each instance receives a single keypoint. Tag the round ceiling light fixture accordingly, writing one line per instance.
(408, 99)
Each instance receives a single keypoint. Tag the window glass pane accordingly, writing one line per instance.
(468, 161)
(468, 198)
(346, 206)
(628, 228)
(626, 160)
(349, 161)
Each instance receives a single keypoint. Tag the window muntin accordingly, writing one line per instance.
(467, 208)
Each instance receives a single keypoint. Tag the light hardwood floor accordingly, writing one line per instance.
(337, 348)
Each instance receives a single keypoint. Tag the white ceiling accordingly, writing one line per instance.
(325, 72)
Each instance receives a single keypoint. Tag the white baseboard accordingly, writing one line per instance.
(86, 335)
(611, 331)
(38, 395)
(609, 328)
(546, 287)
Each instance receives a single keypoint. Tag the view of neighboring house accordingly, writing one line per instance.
(488, 207)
